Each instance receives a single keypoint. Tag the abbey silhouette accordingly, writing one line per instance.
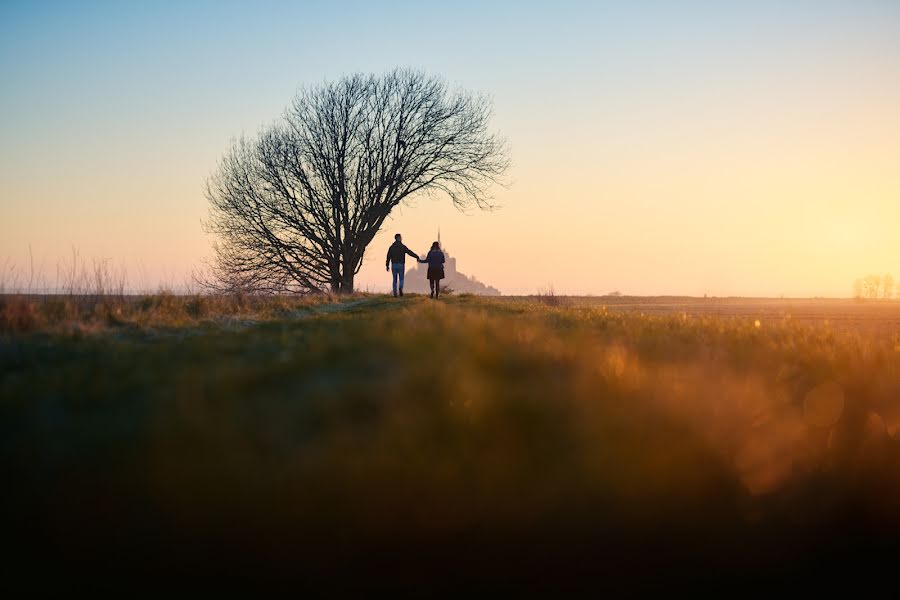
(417, 282)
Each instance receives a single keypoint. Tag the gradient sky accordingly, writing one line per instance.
(728, 148)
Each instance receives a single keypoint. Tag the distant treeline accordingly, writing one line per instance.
(874, 287)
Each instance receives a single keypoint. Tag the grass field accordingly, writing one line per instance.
(477, 442)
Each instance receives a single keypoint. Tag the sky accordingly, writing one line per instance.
(722, 148)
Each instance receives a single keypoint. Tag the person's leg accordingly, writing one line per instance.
(401, 278)
(437, 288)
(431, 285)
(394, 279)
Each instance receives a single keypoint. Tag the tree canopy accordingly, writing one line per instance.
(293, 208)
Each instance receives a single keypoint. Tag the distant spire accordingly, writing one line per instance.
(439, 237)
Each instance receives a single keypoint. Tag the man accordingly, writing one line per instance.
(396, 261)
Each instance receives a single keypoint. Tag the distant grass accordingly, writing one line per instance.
(20, 313)
(386, 438)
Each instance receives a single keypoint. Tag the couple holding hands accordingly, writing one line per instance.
(396, 264)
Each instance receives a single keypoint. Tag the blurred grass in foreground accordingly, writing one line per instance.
(391, 441)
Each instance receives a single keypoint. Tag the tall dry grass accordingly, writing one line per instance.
(97, 313)
(96, 295)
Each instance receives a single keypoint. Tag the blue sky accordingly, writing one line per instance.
(112, 115)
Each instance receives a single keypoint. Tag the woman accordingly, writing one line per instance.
(435, 260)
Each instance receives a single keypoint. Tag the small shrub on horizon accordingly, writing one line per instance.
(549, 297)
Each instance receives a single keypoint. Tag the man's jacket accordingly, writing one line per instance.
(396, 254)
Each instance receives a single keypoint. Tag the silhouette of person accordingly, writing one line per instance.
(396, 262)
(435, 260)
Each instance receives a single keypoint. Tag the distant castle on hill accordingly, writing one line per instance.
(417, 281)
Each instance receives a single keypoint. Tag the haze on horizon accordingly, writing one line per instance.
(736, 148)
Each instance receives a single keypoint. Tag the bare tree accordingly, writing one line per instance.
(871, 286)
(294, 208)
(858, 289)
(887, 283)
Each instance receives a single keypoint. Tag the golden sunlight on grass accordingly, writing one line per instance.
(341, 427)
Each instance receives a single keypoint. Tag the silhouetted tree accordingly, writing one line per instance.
(858, 288)
(871, 286)
(887, 283)
(294, 208)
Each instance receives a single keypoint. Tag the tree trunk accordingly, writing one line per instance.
(347, 283)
